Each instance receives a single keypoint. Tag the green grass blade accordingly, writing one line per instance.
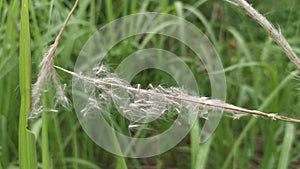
(121, 162)
(3, 141)
(7, 61)
(8, 80)
(58, 142)
(133, 5)
(45, 142)
(286, 146)
(195, 139)
(109, 10)
(179, 10)
(27, 149)
(36, 30)
(202, 155)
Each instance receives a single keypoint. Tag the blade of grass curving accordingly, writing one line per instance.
(286, 146)
(237, 66)
(27, 149)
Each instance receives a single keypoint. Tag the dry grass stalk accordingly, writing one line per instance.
(48, 75)
(171, 95)
(275, 34)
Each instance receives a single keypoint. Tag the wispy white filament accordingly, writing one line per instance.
(154, 101)
(48, 77)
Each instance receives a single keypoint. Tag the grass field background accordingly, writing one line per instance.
(257, 75)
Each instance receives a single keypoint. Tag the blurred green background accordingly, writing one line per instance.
(257, 74)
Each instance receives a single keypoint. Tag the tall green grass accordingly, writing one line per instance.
(257, 72)
(27, 146)
(8, 78)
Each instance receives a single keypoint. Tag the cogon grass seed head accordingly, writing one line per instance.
(142, 103)
(48, 77)
(145, 104)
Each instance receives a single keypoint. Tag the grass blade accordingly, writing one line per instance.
(27, 149)
(286, 146)
(195, 146)
(109, 10)
(45, 142)
(199, 152)
(3, 142)
(202, 155)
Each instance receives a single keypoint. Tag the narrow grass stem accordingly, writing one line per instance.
(275, 34)
(45, 142)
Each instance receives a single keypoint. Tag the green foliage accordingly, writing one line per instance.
(257, 74)
(27, 146)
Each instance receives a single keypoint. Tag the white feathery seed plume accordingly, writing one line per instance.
(48, 76)
(146, 101)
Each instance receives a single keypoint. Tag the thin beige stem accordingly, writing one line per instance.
(64, 25)
(274, 33)
(202, 101)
